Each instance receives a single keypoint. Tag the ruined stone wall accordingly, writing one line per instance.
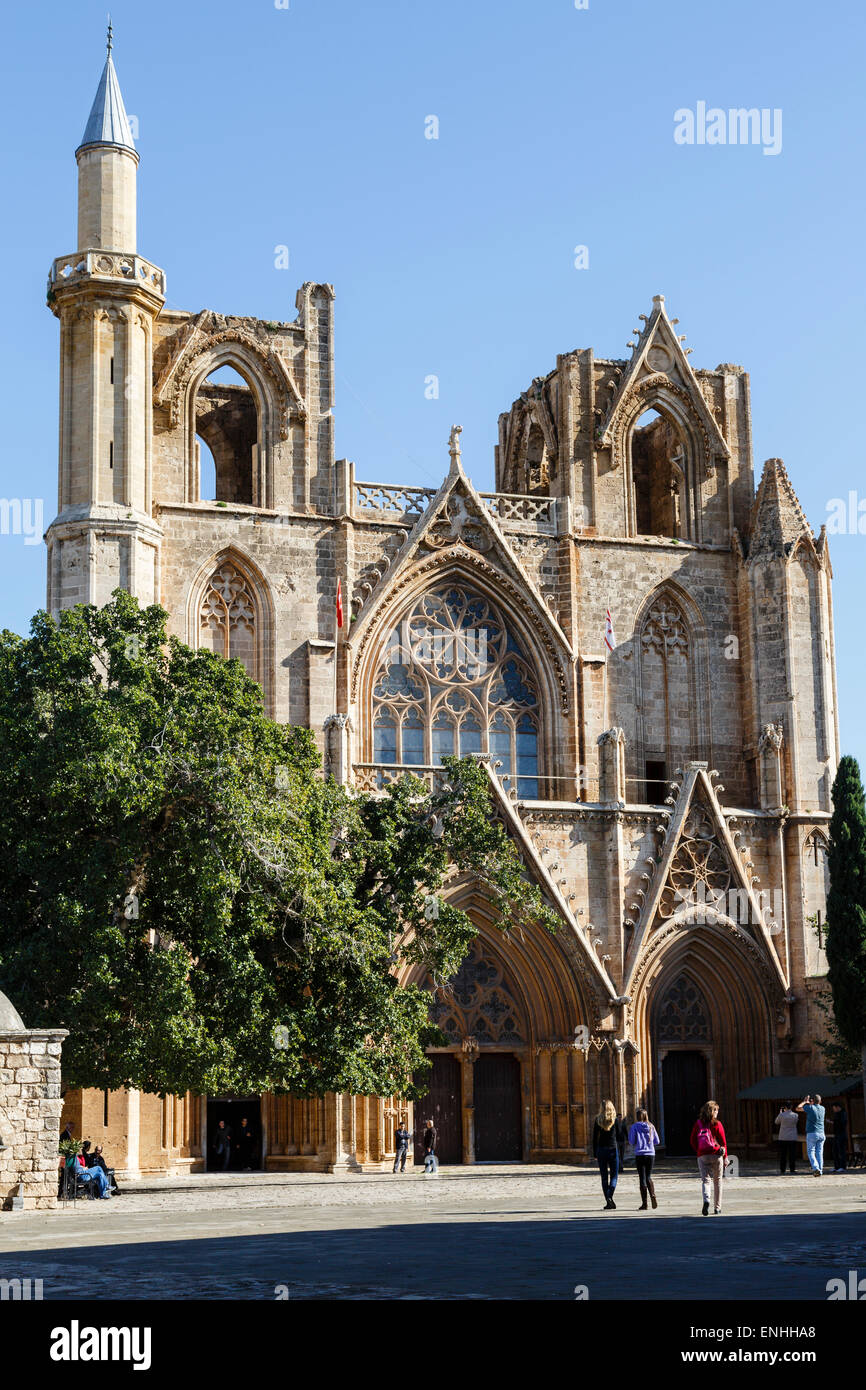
(30, 1107)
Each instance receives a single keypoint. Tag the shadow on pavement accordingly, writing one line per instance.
(682, 1257)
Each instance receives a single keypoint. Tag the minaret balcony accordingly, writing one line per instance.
(106, 267)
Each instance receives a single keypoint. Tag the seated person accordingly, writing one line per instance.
(99, 1162)
(94, 1178)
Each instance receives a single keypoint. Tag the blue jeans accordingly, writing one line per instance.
(431, 1163)
(815, 1150)
(608, 1166)
(97, 1179)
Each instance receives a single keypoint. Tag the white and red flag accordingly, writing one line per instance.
(339, 603)
(609, 639)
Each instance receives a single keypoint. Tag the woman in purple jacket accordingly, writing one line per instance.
(643, 1138)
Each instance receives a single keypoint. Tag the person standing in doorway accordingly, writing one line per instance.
(840, 1137)
(788, 1137)
(222, 1145)
(814, 1112)
(643, 1138)
(605, 1151)
(401, 1146)
(711, 1146)
(246, 1146)
(431, 1162)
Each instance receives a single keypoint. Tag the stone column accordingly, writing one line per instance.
(612, 766)
(30, 1106)
(467, 1078)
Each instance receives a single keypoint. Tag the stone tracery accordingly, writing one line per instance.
(477, 1003)
(228, 617)
(700, 871)
(453, 680)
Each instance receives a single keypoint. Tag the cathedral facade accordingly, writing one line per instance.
(636, 642)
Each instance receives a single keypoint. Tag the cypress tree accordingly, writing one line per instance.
(846, 908)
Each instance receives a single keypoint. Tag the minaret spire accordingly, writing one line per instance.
(108, 123)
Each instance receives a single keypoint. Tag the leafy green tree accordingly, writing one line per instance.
(187, 894)
(846, 909)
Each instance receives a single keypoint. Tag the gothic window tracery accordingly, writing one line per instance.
(228, 617)
(454, 681)
(699, 874)
(477, 1002)
(683, 1015)
(667, 698)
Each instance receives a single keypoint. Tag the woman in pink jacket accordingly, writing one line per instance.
(711, 1147)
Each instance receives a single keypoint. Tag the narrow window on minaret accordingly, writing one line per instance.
(111, 371)
(111, 453)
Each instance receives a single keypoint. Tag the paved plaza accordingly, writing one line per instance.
(493, 1231)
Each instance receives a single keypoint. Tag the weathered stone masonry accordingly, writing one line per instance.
(693, 754)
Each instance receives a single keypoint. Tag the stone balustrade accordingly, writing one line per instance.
(107, 265)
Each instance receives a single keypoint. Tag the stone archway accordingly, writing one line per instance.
(702, 991)
(519, 999)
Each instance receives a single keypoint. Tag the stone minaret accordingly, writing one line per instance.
(107, 299)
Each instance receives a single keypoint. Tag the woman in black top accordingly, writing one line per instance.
(604, 1150)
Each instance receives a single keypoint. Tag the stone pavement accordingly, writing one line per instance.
(493, 1231)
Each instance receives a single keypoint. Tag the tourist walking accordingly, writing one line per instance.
(814, 1112)
(709, 1143)
(789, 1139)
(401, 1147)
(840, 1137)
(605, 1151)
(431, 1162)
(643, 1138)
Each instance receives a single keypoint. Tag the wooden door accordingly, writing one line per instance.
(443, 1104)
(684, 1088)
(497, 1107)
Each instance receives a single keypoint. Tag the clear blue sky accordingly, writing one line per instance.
(261, 127)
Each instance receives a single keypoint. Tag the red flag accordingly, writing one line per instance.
(609, 639)
(339, 603)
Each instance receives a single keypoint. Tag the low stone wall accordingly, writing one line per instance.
(30, 1106)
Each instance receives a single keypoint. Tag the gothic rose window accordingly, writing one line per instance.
(227, 617)
(453, 680)
(699, 874)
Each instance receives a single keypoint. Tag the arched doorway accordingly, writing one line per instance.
(443, 1104)
(496, 1082)
(683, 1038)
(684, 1090)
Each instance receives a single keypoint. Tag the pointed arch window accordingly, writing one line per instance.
(667, 697)
(228, 617)
(658, 477)
(453, 680)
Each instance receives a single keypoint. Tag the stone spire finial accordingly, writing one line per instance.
(454, 446)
